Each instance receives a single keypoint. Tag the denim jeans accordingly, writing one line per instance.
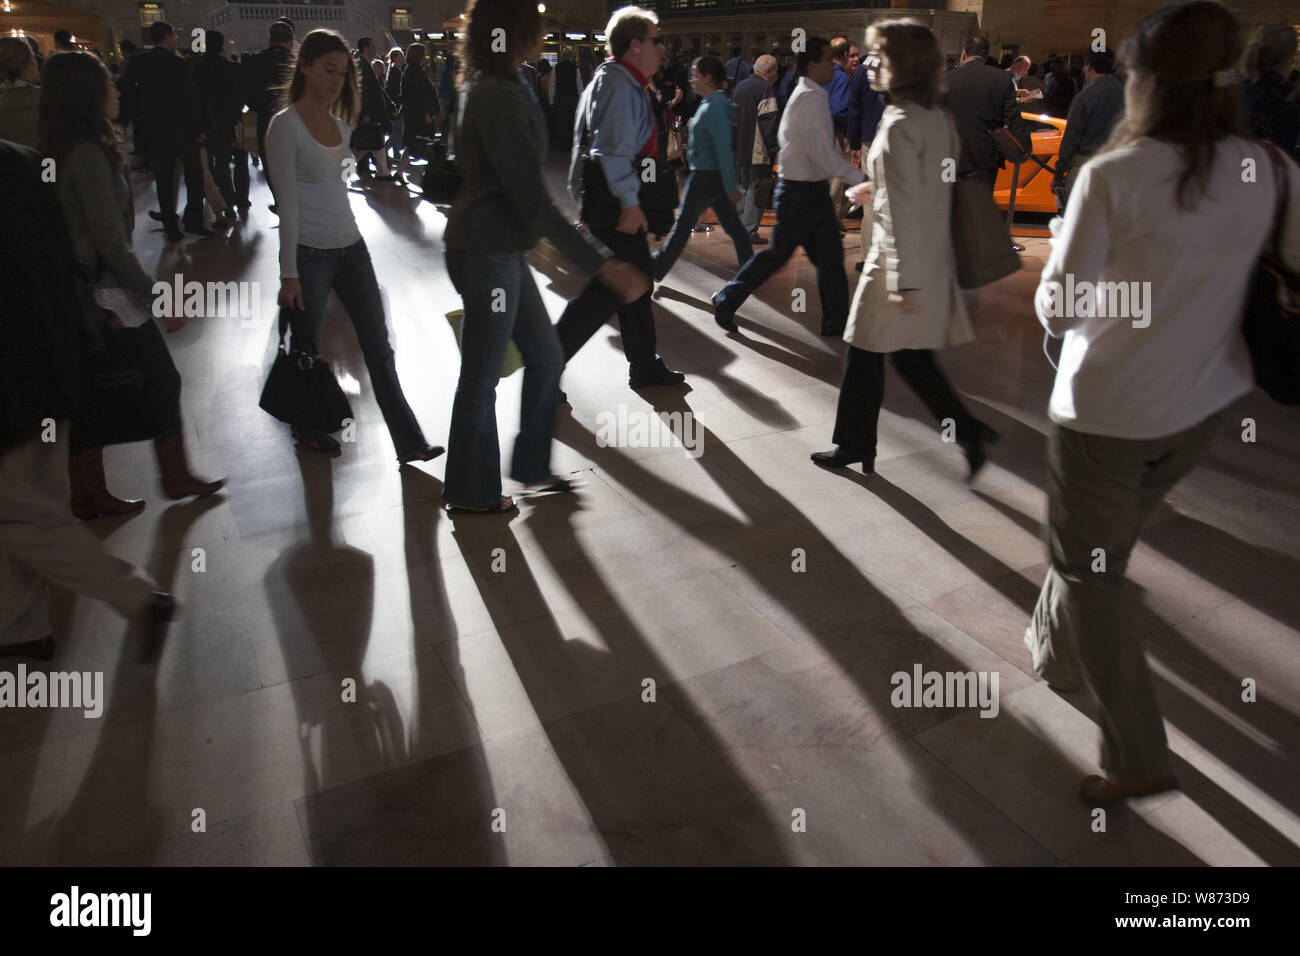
(501, 304)
(804, 217)
(703, 191)
(349, 273)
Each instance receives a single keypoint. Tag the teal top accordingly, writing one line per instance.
(709, 146)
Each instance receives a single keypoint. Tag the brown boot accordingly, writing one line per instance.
(175, 469)
(90, 494)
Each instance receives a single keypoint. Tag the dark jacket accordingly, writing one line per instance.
(41, 343)
(756, 120)
(981, 100)
(169, 103)
(1270, 115)
(419, 99)
(866, 106)
(503, 204)
(374, 108)
(567, 85)
(1093, 114)
(393, 84)
(221, 88)
(267, 72)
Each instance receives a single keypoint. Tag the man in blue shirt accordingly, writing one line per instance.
(738, 69)
(614, 140)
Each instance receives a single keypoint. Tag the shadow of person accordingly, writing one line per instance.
(864, 651)
(321, 596)
(115, 807)
(641, 773)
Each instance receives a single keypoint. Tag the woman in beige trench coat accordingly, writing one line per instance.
(907, 302)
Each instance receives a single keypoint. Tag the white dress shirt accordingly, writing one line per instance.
(807, 139)
(1176, 355)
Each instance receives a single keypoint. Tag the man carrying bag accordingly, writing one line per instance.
(625, 190)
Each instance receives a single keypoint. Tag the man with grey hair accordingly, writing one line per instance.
(614, 141)
(756, 119)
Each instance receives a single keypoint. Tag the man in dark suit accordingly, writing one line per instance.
(982, 100)
(266, 74)
(169, 109)
(220, 83)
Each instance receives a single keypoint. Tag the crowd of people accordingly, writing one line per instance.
(1152, 162)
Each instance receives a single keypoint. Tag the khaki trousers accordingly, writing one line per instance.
(1100, 492)
(41, 543)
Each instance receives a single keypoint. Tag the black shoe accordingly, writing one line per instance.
(155, 215)
(726, 318)
(756, 240)
(857, 267)
(273, 209)
(173, 231)
(162, 608)
(564, 399)
(974, 447)
(657, 374)
(831, 331)
(841, 457)
(198, 229)
(421, 454)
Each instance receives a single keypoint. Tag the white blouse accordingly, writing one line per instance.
(1160, 349)
(311, 194)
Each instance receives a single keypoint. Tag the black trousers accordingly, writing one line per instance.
(163, 153)
(263, 121)
(863, 392)
(220, 152)
(597, 303)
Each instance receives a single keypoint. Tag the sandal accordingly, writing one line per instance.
(505, 506)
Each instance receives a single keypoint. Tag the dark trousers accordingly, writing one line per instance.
(703, 191)
(263, 121)
(863, 392)
(804, 217)
(242, 182)
(350, 274)
(163, 153)
(594, 306)
(220, 153)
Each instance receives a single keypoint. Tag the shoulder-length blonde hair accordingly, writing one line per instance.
(314, 46)
(915, 66)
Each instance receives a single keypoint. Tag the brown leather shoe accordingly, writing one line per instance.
(90, 495)
(175, 469)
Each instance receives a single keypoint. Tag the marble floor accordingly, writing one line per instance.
(690, 661)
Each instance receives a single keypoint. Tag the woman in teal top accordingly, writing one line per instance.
(712, 183)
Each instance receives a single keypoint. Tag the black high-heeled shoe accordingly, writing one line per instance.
(420, 454)
(841, 457)
(974, 447)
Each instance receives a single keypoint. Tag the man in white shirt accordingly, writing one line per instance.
(805, 215)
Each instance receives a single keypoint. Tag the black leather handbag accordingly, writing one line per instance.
(133, 384)
(600, 207)
(301, 389)
(1271, 322)
(979, 235)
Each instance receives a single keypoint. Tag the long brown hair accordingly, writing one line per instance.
(520, 25)
(1179, 90)
(74, 94)
(314, 46)
(915, 64)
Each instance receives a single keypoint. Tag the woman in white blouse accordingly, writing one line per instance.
(1167, 225)
(908, 302)
(320, 246)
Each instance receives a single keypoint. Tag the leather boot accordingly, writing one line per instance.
(90, 495)
(174, 467)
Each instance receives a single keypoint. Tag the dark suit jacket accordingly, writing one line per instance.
(419, 99)
(373, 103)
(980, 100)
(220, 83)
(266, 73)
(40, 332)
(169, 103)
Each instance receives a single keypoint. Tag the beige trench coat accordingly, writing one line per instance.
(911, 244)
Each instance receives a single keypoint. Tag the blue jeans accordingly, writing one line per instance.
(703, 191)
(349, 273)
(804, 217)
(501, 304)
